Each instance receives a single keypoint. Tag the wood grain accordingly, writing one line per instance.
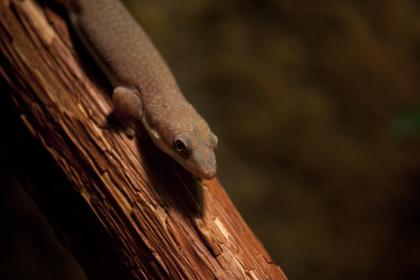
(161, 222)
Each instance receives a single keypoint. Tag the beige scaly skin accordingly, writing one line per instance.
(145, 89)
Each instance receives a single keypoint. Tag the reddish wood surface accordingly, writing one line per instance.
(162, 222)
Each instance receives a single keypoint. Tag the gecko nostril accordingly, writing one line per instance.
(210, 170)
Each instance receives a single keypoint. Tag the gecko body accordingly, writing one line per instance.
(145, 90)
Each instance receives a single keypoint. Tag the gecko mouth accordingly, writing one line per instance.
(208, 173)
(204, 166)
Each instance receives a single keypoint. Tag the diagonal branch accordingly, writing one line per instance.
(157, 220)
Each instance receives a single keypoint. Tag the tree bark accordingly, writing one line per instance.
(123, 207)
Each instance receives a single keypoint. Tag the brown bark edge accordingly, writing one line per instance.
(160, 222)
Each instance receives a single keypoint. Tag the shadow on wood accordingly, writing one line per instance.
(146, 211)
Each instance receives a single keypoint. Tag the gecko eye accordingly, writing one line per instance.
(181, 146)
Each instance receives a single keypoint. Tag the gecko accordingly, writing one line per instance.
(145, 89)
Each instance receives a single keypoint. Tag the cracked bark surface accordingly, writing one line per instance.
(154, 218)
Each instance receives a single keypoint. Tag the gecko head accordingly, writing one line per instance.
(196, 153)
(190, 142)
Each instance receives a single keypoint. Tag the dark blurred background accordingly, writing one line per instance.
(317, 109)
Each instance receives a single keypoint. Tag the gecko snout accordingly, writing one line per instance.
(203, 164)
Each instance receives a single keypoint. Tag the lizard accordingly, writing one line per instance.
(145, 90)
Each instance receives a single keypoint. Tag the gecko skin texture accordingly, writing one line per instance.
(144, 88)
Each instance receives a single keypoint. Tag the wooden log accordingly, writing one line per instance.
(133, 202)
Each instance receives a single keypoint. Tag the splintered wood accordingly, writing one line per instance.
(161, 221)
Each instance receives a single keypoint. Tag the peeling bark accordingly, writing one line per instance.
(155, 218)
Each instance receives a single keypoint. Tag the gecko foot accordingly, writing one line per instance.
(113, 124)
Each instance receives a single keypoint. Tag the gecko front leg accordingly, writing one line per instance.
(128, 108)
